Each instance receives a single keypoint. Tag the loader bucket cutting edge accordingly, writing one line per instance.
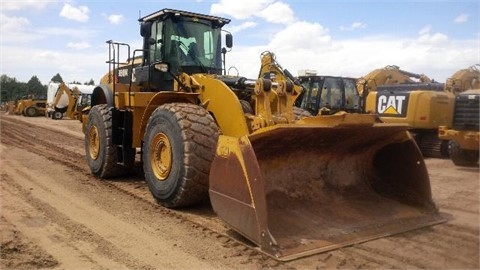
(298, 190)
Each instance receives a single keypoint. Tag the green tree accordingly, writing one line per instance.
(57, 78)
(91, 82)
(75, 82)
(11, 89)
(36, 88)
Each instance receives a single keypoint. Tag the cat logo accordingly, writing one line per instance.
(392, 105)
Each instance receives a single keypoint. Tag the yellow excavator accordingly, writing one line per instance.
(398, 96)
(293, 185)
(463, 133)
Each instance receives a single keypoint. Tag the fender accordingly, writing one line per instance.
(102, 94)
(157, 100)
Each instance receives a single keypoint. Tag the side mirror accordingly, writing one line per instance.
(229, 40)
(146, 29)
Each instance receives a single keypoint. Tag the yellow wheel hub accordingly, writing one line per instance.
(161, 156)
(93, 142)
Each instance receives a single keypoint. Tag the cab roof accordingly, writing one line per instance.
(161, 14)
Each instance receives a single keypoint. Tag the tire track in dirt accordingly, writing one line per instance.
(134, 187)
(75, 230)
(441, 244)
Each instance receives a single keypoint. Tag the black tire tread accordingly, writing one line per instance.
(462, 157)
(31, 111)
(110, 167)
(199, 134)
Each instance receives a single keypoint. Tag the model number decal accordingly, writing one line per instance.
(123, 72)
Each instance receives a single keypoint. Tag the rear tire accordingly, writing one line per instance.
(101, 153)
(179, 146)
(31, 111)
(462, 157)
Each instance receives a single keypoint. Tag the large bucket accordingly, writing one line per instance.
(300, 189)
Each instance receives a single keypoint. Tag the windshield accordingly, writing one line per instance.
(193, 43)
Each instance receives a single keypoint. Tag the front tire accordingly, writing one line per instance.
(179, 146)
(57, 115)
(102, 155)
(31, 111)
(462, 157)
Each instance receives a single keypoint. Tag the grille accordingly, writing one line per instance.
(466, 116)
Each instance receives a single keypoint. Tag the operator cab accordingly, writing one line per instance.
(328, 94)
(184, 41)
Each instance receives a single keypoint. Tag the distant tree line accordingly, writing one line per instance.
(12, 90)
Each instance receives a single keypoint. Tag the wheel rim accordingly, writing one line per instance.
(93, 142)
(161, 156)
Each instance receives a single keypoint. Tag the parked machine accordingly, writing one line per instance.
(463, 133)
(67, 100)
(294, 186)
(328, 94)
(30, 107)
(399, 96)
(463, 79)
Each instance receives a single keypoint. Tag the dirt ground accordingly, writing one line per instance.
(56, 215)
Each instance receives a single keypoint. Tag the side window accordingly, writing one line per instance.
(208, 45)
(155, 49)
(310, 96)
(351, 96)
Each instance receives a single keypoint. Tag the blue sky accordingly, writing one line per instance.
(345, 37)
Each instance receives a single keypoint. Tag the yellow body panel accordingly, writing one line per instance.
(425, 109)
(219, 99)
(468, 140)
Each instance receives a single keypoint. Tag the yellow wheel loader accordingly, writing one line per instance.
(293, 186)
(398, 96)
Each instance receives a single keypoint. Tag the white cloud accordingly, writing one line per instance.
(277, 12)
(354, 26)
(433, 39)
(115, 19)
(427, 38)
(425, 30)
(70, 12)
(75, 65)
(306, 45)
(15, 30)
(268, 10)
(75, 33)
(301, 34)
(24, 4)
(237, 28)
(13, 24)
(461, 18)
(239, 10)
(78, 45)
